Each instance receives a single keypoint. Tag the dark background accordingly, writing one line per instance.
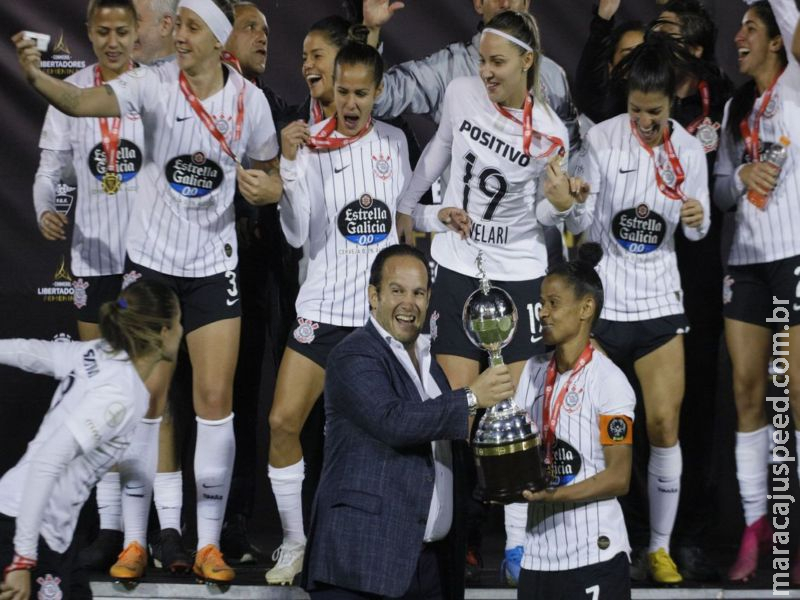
(28, 262)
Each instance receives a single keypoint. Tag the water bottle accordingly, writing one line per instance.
(776, 155)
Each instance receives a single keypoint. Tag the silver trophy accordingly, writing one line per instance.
(507, 443)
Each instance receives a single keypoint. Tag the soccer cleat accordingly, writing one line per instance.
(288, 559)
(234, 541)
(169, 554)
(103, 551)
(509, 568)
(131, 563)
(755, 536)
(210, 566)
(662, 568)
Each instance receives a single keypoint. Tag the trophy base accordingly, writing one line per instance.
(503, 474)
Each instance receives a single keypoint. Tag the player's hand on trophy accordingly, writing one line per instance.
(492, 386)
(546, 495)
(294, 135)
(30, 57)
(53, 225)
(456, 219)
(692, 213)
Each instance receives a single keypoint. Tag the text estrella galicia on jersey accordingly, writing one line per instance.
(567, 463)
(129, 161)
(639, 230)
(193, 176)
(365, 221)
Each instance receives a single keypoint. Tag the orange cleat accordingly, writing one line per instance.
(210, 567)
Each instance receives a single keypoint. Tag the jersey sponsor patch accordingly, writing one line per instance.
(129, 161)
(304, 332)
(639, 230)
(616, 430)
(567, 463)
(365, 221)
(193, 176)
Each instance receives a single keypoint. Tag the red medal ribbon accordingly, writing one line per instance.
(528, 132)
(751, 142)
(550, 414)
(673, 192)
(324, 141)
(194, 102)
(317, 116)
(705, 97)
(110, 135)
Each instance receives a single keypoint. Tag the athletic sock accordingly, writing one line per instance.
(168, 498)
(287, 486)
(516, 520)
(752, 449)
(137, 469)
(664, 491)
(109, 501)
(214, 453)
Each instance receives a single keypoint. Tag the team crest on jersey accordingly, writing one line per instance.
(708, 134)
(365, 221)
(222, 124)
(434, 325)
(129, 161)
(567, 463)
(129, 278)
(382, 166)
(572, 401)
(772, 106)
(115, 414)
(304, 332)
(79, 296)
(639, 230)
(49, 588)
(62, 337)
(727, 289)
(133, 116)
(193, 176)
(65, 198)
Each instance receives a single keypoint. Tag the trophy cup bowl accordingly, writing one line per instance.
(507, 443)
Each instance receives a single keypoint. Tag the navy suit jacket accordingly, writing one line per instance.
(372, 504)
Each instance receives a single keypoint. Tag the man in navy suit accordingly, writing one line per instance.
(383, 523)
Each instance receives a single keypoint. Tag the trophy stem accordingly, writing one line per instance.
(495, 358)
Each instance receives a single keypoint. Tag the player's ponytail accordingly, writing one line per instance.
(523, 27)
(657, 65)
(357, 52)
(744, 97)
(581, 275)
(133, 322)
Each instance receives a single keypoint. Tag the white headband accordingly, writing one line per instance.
(212, 16)
(509, 37)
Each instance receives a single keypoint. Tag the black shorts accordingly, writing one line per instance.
(608, 580)
(450, 292)
(204, 300)
(625, 342)
(92, 292)
(316, 340)
(748, 291)
(57, 575)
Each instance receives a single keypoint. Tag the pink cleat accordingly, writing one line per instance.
(756, 536)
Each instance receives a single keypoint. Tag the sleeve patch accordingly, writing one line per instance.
(616, 430)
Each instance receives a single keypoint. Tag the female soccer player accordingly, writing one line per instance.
(505, 148)
(322, 42)
(584, 407)
(650, 175)
(199, 117)
(762, 284)
(91, 421)
(342, 177)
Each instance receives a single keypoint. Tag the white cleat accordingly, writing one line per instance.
(288, 559)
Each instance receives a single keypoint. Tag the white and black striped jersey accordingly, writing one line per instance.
(183, 222)
(635, 222)
(491, 178)
(771, 234)
(100, 401)
(343, 202)
(563, 535)
(101, 219)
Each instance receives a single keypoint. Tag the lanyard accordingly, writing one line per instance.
(194, 102)
(671, 189)
(550, 417)
(751, 141)
(110, 139)
(705, 98)
(528, 132)
(317, 116)
(323, 139)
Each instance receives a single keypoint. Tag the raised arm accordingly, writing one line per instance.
(69, 99)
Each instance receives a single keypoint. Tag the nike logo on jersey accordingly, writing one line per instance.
(232, 302)
(181, 119)
(624, 171)
(340, 169)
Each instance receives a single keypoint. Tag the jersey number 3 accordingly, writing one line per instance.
(494, 193)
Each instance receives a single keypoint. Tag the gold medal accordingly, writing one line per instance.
(111, 183)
